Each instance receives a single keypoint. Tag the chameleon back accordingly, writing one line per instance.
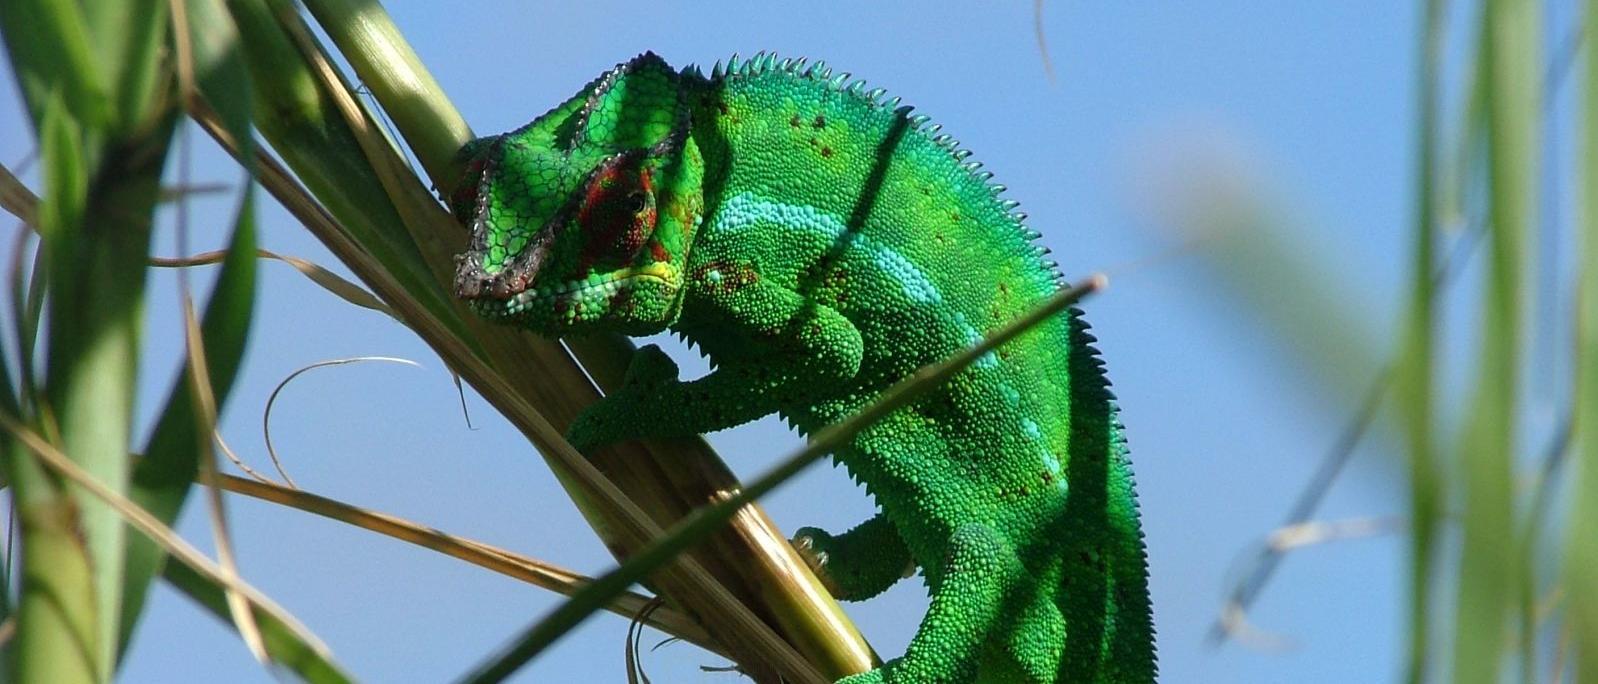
(859, 206)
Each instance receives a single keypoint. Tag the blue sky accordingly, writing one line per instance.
(1313, 100)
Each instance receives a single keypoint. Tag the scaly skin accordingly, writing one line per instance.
(819, 244)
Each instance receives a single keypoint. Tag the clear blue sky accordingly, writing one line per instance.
(1225, 427)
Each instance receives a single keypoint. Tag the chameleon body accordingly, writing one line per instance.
(819, 243)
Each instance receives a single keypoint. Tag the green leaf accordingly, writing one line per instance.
(1581, 554)
(1414, 372)
(219, 70)
(51, 57)
(1490, 564)
(57, 624)
(162, 478)
(128, 38)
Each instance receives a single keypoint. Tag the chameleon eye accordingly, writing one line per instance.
(636, 201)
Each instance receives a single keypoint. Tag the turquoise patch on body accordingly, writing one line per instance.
(745, 210)
(974, 338)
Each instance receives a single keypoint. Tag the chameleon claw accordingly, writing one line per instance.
(805, 544)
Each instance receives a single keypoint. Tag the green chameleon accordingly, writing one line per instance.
(819, 243)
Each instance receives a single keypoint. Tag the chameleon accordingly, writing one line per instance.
(819, 242)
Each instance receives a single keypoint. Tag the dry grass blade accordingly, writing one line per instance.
(237, 462)
(1293, 537)
(1043, 45)
(174, 193)
(205, 415)
(199, 376)
(16, 198)
(266, 415)
(529, 570)
(1233, 622)
(141, 520)
(321, 275)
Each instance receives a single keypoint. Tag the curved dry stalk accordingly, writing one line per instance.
(1233, 622)
(1043, 45)
(238, 462)
(535, 572)
(205, 414)
(266, 416)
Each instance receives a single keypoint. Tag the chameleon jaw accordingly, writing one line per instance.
(566, 299)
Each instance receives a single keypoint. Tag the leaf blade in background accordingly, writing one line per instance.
(56, 638)
(1414, 373)
(1489, 571)
(47, 455)
(161, 479)
(1580, 572)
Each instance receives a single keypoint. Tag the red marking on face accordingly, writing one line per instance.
(617, 213)
(463, 201)
(658, 251)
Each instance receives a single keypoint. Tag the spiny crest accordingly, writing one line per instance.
(818, 72)
(637, 104)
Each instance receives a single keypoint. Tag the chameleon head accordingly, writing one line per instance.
(582, 219)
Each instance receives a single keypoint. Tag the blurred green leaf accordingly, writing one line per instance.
(1581, 554)
(127, 40)
(1414, 372)
(162, 478)
(1490, 567)
(57, 629)
(51, 56)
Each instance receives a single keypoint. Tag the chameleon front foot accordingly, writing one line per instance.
(622, 415)
(810, 543)
(857, 564)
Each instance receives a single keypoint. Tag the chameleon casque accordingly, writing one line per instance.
(819, 242)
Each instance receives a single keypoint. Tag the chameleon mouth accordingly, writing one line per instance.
(596, 289)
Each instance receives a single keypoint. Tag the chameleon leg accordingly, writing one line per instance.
(860, 563)
(980, 570)
(1030, 651)
(801, 350)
